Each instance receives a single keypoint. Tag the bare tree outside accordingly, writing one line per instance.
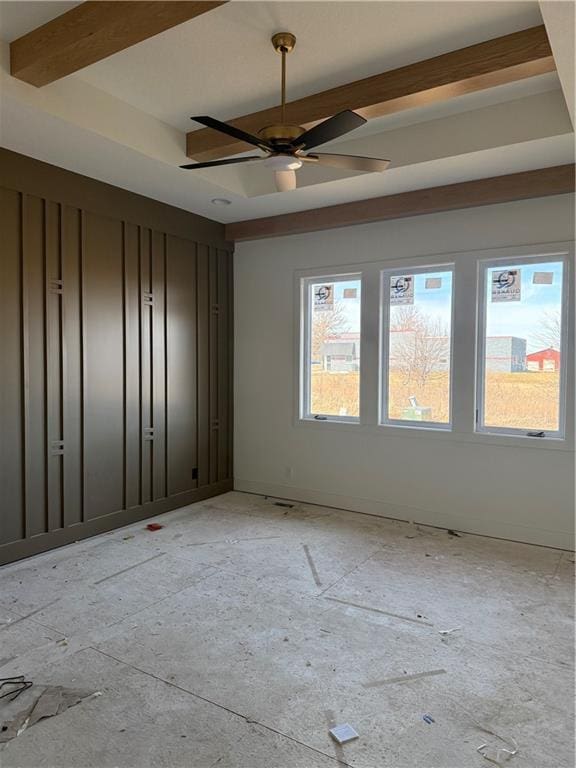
(325, 324)
(421, 347)
(431, 349)
(405, 317)
(551, 329)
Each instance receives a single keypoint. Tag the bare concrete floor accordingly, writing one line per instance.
(241, 631)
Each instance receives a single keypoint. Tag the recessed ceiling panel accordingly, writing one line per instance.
(223, 64)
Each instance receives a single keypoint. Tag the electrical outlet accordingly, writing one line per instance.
(289, 473)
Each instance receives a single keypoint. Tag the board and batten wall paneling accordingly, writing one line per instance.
(116, 350)
(54, 359)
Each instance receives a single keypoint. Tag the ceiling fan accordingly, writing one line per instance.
(284, 143)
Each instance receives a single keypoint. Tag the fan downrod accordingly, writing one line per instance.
(281, 134)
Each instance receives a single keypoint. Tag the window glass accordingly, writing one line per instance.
(522, 346)
(419, 346)
(333, 348)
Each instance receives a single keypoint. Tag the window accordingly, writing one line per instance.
(417, 346)
(331, 348)
(521, 347)
(478, 345)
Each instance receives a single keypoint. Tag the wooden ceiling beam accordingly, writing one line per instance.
(469, 194)
(92, 31)
(484, 65)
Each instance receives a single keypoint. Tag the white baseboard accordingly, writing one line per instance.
(497, 529)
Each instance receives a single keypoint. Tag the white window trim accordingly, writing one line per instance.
(464, 348)
(483, 266)
(305, 316)
(383, 418)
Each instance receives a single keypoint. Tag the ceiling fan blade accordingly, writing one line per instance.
(285, 180)
(214, 163)
(230, 130)
(350, 162)
(330, 129)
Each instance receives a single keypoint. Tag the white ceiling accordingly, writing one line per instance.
(223, 64)
(124, 119)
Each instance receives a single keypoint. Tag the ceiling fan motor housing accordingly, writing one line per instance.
(281, 135)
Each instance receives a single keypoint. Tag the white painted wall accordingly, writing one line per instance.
(518, 492)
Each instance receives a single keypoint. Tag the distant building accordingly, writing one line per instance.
(505, 354)
(341, 353)
(544, 360)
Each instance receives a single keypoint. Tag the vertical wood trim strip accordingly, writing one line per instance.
(27, 232)
(140, 410)
(165, 341)
(45, 358)
(213, 364)
(203, 364)
(124, 375)
(222, 365)
(61, 359)
(151, 365)
(24, 368)
(82, 291)
(230, 352)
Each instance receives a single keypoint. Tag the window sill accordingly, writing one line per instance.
(333, 420)
(441, 434)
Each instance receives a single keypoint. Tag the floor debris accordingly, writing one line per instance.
(453, 533)
(53, 700)
(404, 678)
(449, 631)
(379, 610)
(428, 719)
(493, 754)
(154, 527)
(343, 733)
(312, 565)
(14, 685)
(129, 568)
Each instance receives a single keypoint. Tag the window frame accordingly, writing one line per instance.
(483, 266)
(464, 339)
(408, 268)
(304, 367)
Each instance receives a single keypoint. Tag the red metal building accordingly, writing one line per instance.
(544, 360)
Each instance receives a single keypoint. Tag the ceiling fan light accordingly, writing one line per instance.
(285, 180)
(283, 163)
